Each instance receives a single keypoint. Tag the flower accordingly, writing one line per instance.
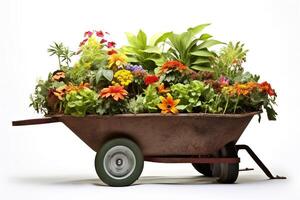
(223, 81)
(76, 88)
(103, 41)
(58, 75)
(134, 68)
(99, 34)
(168, 104)
(111, 52)
(111, 44)
(117, 59)
(60, 92)
(266, 87)
(149, 79)
(116, 92)
(83, 42)
(123, 77)
(161, 89)
(88, 34)
(172, 65)
(241, 88)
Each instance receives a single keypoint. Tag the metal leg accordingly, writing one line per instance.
(258, 161)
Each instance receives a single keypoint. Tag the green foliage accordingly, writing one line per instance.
(63, 54)
(190, 49)
(246, 77)
(82, 102)
(140, 52)
(151, 99)
(136, 105)
(111, 107)
(229, 61)
(39, 98)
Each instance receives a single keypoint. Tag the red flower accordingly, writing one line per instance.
(99, 34)
(103, 41)
(111, 52)
(88, 34)
(172, 65)
(83, 42)
(149, 79)
(266, 87)
(111, 44)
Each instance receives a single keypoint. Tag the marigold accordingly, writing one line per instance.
(117, 59)
(116, 92)
(172, 65)
(168, 104)
(123, 77)
(150, 79)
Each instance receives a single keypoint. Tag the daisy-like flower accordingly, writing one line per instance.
(168, 104)
(116, 92)
(266, 87)
(58, 75)
(150, 79)
(161, 89)
(81, 86)
(60, 92)
(117, 59)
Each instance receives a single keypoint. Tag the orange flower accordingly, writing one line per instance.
(58, 75)
(161, 89)
(266, 87)
(116, 92)
(60, 92)
(172, 65)
(168, 104)
(76, 88)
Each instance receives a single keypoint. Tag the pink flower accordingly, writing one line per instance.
(111, 44)
(224, 80)
(99, 34)
(103, 41)
(88, 34)
(83, 42)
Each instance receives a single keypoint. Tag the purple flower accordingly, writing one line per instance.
(134, 68)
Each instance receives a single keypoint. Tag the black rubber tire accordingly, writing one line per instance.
(227, 173)
(203, 168)
(135, 172)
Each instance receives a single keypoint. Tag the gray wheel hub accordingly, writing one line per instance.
(119, 162)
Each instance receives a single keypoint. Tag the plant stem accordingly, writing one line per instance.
(227, 101)
(236, 104)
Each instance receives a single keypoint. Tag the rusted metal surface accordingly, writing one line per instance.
(44, 120)
(179, 159)
(156, 134)
(162, 135)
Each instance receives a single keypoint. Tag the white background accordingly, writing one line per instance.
(49, 162)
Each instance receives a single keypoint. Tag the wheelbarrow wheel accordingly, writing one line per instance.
(203, 168)
(227, 173)
(119, 162)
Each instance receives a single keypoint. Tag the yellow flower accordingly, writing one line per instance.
(117, 59)
(123, 77)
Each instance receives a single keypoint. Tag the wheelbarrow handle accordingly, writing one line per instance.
(44, 120)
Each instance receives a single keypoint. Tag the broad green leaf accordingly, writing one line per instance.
(197, 29)
(132, 40)
(99, 75)
(201, 61)
(162, 38)
(203, 53)
(108, 74)
(132, 59)
(209, 43)
(201, 68)
(142, 39)
(205, 36)
(181, 107)
(152, 49)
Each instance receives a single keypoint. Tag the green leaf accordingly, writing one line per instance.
(197, 29)
(201, 68)
(205, 36)
(181, 107)
(131, 39)
(132, 59)
(108, 74)
(152, 49)
(203, 53)
(98, 75)
(209, 43)
(201, 61)
(142, 39)
(162, 38)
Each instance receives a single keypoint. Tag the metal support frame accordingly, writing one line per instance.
(257, 160)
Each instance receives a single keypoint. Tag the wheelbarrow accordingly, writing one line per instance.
(123, 142)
